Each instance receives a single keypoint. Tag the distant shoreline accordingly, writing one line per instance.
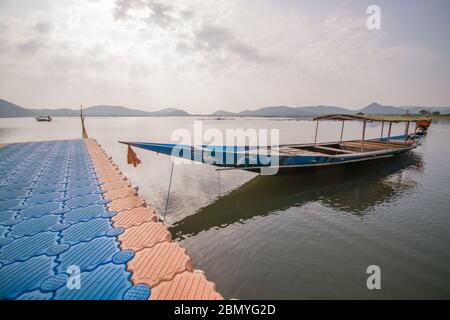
(209, 117)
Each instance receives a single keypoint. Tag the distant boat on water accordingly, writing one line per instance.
(44, 118)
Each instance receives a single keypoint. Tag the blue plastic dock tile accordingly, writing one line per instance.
(39, 210)
(89, 255)
(3, 231)
(108, 282)
(84, 214)
(16, 194)
(35, 295)
(14, 186)
(76, 192)
(44, 198)
(4, 241)
(25, 276)
(83, 201)
(85, 231)
(138, 292)
(54, 282)
(83, 183)
(49, 189)
(123, 257)
(57, 249)
(52, 217)
(6, 215)
(33, 226)
(27, 247)
(9, 204)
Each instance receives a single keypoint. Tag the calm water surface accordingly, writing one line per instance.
(309, 235)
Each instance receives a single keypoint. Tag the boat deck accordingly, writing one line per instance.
(334, 148)
(72, 227)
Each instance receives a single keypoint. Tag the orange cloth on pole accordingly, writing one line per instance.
(132, 157)
(424, 122)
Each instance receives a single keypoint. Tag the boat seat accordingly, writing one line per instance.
(334, 149)
(298, 152)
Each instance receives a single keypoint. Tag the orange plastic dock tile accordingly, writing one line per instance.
(127, 203)
(120, 193)
(134, 217)
(186, 286)
(116, 185)
(159, 263)
(112, 178)
(144, 236)
(106, 172)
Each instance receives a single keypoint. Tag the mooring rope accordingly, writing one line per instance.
(168, 192)
(218, 180)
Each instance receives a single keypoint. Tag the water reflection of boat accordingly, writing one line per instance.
(352, 189)
(273, 159)
(44, 118)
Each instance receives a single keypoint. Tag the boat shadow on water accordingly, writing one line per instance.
(350, 189)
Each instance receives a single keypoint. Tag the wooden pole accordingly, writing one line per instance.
(317, 129)
(382, 130)
(406, 131)
(363, 135)
(390, 128)
(342, 129)
(83, 128)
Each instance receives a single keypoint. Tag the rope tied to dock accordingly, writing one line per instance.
(132, 157)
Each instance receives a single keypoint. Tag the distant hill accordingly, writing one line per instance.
(279, 111)
(309, 111)
(9, 110)
(417, 109)
(170, 112)
(320, 110)
(376, 108)
(223, 113)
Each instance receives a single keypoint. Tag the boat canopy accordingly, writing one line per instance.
(351, 117)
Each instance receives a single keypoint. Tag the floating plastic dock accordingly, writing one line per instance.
(72, 227)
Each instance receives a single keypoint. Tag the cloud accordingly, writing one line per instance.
(44, 26)
(232, 53)
(29, 47)
(122, 7)
(220, 39)
(154, 12)
(160, 14)
(214, 42)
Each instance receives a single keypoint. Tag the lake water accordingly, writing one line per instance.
(306, 236)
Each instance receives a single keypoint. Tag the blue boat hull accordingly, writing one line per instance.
(254, 157)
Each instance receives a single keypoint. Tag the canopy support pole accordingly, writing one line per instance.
(363, 135)
(342, 130)
(390, 128)
(168, 191)
(406, 131)
(382, 130)
(317, 129)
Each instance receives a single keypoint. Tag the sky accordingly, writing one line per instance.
(208, 55)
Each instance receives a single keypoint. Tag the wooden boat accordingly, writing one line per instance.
(288, 156)
(44, 118)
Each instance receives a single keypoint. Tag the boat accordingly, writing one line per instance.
(293, 156)
(44, 118)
